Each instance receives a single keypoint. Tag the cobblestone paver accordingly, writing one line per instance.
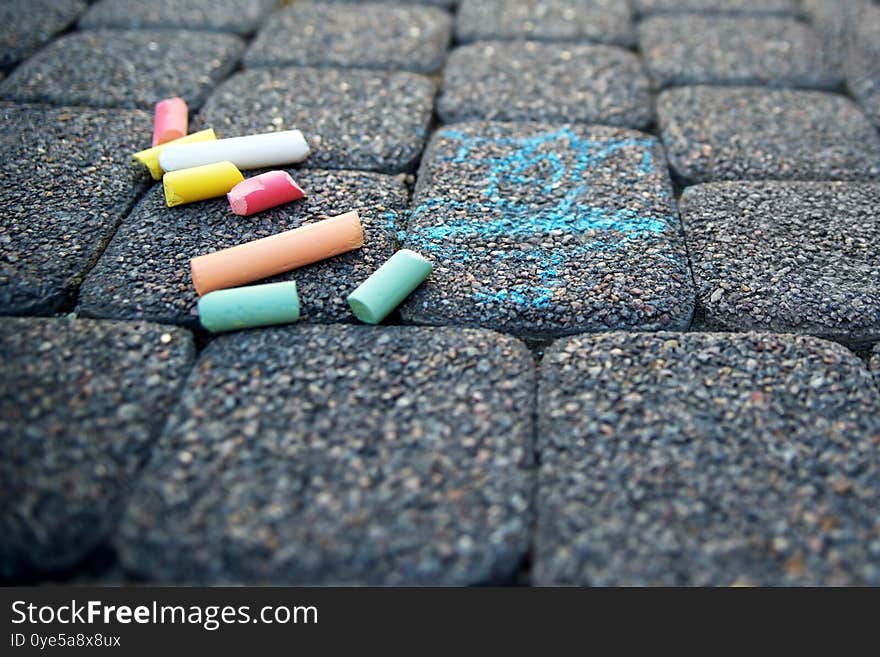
(145, 273)
(517, 81)
(542, 230)
(788, 257)
(24, 27)
(97, 68)
(863, 61)
(707, 459)
(342, 455)
(81, 403)
(600, 21)
(412, 38)
(698, 49)
(67, 183)
(721, 7)
(236, 16)
(373, 120)
(746, 133)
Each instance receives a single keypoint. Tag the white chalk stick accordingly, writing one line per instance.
(252, 152)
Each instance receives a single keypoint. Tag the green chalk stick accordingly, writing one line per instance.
(247, 307)
(388, 286)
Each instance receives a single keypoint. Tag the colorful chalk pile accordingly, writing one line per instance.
(199, 166)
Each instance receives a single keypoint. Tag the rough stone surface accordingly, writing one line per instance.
(67, 183)
(874, 362)
(369, 35)
(863, 62)
(81, 403)
(237, 16)
(145, 272)
(600, 21)
(516, 81)
(833, 22)
(342, 455)
(371, 120)
(25, 26)
(746, 133)
(120, 68)
(697, 49)
(787, 257)
(707, 459)
(735, 7)
(541, 230)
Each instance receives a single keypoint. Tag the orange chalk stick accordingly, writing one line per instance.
(171, 120)
(278, 253)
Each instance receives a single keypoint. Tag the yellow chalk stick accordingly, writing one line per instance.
(150, 156)
(199, 183)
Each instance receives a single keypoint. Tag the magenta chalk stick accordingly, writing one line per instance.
(171, 120)
(263, 192)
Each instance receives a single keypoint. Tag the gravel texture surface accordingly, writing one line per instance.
(787, 257)
(411, 38)
(746, 133)
(119, 68)
(237, 16)
(81, 403)
(448, 4)
(874, 362)
(697, 49)
(707, 459)
(525, 81)
(600, 21)
(863, 62)
(736, 7)
(372, 120)
(27, 25)
(832, 20)
(145, 272)
(541, 230)
(342, 455)
(67, 183)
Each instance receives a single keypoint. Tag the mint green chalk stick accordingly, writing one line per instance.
(247, 307)
(388, 286)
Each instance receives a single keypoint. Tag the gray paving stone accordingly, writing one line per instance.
(371, 120)
(26, 25)
(863, 62)
(735, 7)
(600, 21)
(697, 49)
(342, 455)
(832, 20)
(522, 81)
(542, 230)
(237, 16)
(120, 68)
(786, 257)
(874, 362)
(145, 273)
(67, 183)
(747, 133)
(81, 403)
(448, 4)
(369, 35)
(707, 459)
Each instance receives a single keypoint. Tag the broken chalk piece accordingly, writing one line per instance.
(263, 192)
(388, 286)
(248, 307)
(252, 152)
(171, 120)
(150, 157)
(277, 253)
(200, 183)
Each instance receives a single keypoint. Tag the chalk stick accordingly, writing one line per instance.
(262, 192)
(277, 253)
(248, 307)
(388, 286)
(252, 152)
(200, 183)
(171, 120)
(150, 157)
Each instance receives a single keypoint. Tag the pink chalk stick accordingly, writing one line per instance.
(171, 120)
(263, 192)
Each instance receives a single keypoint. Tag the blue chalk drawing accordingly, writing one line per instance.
(533, 167)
